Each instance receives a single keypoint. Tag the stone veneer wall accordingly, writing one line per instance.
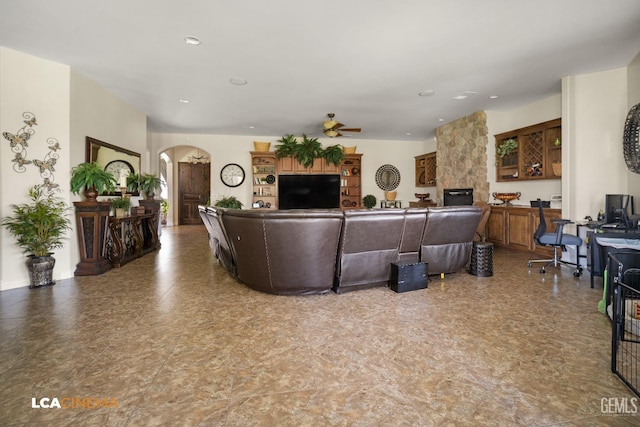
(461, 155)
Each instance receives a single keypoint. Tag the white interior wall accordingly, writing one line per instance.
(594, 108)
(504, 121)
(41, 87)
(97, 113)
(225, 149)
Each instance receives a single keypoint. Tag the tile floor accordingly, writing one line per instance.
(177, 342)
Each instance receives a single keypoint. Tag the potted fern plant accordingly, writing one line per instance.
(92, 180)
(287, 147)
(148, 184)
(308, 150)
(39, 227)
(333, 154)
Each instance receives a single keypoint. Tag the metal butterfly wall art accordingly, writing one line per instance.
(19, 143)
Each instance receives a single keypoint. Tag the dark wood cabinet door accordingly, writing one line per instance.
(194, 181)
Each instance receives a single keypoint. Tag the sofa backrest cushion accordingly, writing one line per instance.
(447, 239)
(369, 243)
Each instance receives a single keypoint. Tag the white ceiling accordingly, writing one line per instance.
(364, 60)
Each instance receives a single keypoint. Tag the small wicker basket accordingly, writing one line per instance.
(261, 146)
(349, 150)
(556, 167)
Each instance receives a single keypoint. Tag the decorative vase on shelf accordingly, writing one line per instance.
(390, 195)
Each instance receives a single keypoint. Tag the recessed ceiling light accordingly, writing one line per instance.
(441, 120)
(428, 92)
(493, 97)
(252, 127)
(194, 41)
(408, 133)
(185, 101)
(237, 81)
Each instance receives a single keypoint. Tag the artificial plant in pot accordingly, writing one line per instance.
(148, 184)
(164, 210)
(39, 227)
(287, 147)
(507, 147)
(333, 154)
(369, 201)
(121, 205)
(92, 179)
(133, 180)
(230, 202)
(308, 150)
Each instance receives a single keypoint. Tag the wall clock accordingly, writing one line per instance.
(232, 175)
(114, 167)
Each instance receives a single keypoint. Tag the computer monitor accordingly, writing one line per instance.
(619, 207)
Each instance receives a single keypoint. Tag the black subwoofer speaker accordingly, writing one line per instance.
(408, 277)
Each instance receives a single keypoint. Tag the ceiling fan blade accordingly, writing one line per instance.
(350, 130)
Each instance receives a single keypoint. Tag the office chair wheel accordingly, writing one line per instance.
(529, 264)
(542, 270)
(577, 273)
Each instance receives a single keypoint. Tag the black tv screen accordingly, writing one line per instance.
(308, 191)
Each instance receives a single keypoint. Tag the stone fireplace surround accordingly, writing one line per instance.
(461, 155)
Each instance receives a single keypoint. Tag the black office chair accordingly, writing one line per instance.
(557, 240)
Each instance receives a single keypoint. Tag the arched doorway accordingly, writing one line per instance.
(188, 178)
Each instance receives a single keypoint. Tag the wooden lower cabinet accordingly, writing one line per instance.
(513, 227)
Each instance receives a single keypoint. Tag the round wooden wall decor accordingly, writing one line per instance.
(630, 142)
(388, 177)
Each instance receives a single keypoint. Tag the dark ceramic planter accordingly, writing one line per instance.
(41, 270)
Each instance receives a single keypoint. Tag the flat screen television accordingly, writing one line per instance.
(308, 191)
(617, 206)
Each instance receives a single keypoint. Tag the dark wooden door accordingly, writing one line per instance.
(194, 189)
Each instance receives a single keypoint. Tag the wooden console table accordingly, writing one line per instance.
(131, 237)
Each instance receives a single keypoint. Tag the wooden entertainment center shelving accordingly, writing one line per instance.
(266, 168)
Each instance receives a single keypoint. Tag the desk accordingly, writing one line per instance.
(597, 250)
(391, 203)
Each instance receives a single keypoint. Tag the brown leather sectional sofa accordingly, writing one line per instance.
(297, 252)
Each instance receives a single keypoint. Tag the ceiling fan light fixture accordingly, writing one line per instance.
(331, 133)
(329, 124)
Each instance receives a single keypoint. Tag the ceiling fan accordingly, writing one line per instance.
(333, 128)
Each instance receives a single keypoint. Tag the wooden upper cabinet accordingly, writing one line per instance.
(538, 156)
(289, 165)
(426, 170)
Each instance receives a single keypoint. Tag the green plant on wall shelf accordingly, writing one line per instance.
(287, 146)
(308, 150)
(507, 147)
(333, 154)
